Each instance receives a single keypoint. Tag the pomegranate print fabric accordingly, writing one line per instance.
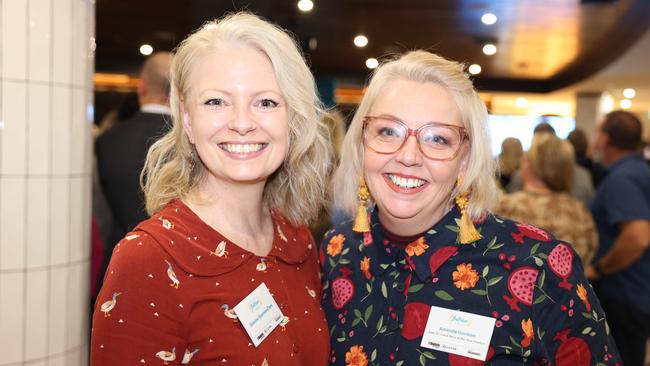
(377, 295)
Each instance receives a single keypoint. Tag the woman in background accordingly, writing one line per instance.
(509, 159)
(230, 189)
(547, 174)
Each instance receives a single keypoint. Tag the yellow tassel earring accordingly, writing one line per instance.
(467, 232)
(361, 224)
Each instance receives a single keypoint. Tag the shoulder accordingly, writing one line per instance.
(515, 234)
(138, 251)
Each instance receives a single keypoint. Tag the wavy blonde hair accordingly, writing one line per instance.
(552, 160)
(296, 190)
(424, 67)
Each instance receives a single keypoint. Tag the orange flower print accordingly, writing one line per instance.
(335, 245)
(464, 276)
(582, 294)
(417, 247)
(527, 327)
(356, 357)
(365, 267)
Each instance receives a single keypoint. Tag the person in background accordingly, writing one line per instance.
(621, 210)
(509, 159)
(547, 175)
(582, 187)
(225, 271)
(428, 257)
(121, 150)
(578, 139)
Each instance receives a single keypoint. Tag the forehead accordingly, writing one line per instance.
(234, 66)
(417, 103)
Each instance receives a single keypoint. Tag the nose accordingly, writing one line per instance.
(242, 122)
(409, 154)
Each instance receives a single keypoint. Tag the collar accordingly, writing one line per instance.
(627, 158)
(199, 249)
(155, 108)
(424, 255)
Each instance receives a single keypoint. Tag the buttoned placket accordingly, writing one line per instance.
(395, 278)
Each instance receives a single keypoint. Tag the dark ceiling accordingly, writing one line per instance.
(542, 45)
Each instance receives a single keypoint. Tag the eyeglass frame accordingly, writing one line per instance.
(462, 131)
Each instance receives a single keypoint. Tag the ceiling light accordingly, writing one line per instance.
(521, 102)
(305, 5)
(360, 41)
(626, 103)
(313, 43)
(629, 93)
(146, 49)
(489, 18)
(474, 69)
(371, 63)
(489, 49)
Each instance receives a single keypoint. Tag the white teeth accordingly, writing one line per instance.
(406, 182)
(241, 148)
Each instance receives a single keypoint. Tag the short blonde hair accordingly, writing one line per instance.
(552, 160)
(424, 67)
(511, 153)
(296, 190)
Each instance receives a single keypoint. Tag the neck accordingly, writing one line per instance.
(415, 225)
(236, 211)
(536, 186)
(613, 155)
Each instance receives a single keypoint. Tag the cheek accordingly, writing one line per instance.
(444, 173)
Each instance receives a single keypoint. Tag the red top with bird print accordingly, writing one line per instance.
(377, 296)
(170, 289)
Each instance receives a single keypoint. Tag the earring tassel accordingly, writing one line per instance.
(361, 223)
(467, 231)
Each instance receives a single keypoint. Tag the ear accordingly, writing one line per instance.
(464, 161)
(142, 90)
(186, 121)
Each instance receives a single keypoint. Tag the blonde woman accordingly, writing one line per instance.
(225, 271)
(425, 274)
(547, 173)
(509, 159)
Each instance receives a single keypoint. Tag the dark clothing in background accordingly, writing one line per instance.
(121, 152)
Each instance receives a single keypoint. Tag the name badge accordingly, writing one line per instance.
(259, 314)
(458, 332)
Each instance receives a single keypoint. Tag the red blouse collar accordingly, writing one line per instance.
(200, 250)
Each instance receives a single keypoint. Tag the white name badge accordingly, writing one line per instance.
(458, 332)
(259, 314)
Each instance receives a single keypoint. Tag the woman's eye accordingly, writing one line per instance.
(436, 139)
(214, 102)
(388, 132)
(267, 103)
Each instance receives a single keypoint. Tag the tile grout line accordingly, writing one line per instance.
(48, 255)
(70, 153)
(27, 179)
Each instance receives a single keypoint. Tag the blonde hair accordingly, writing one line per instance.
(424, 67)
(510, 157)
(552, 160)
(296, 190)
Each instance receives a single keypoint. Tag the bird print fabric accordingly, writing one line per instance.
(170, 289)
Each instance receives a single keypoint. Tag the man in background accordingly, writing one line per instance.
(121, 150)
(621, 210)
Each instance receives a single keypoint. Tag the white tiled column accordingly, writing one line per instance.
(46, 67)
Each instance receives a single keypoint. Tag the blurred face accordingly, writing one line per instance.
(600, 145)
(412, 191)
(236, 116)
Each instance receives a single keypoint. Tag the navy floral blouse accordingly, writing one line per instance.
(378, 295)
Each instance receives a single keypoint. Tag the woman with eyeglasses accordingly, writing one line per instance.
(423, 273)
